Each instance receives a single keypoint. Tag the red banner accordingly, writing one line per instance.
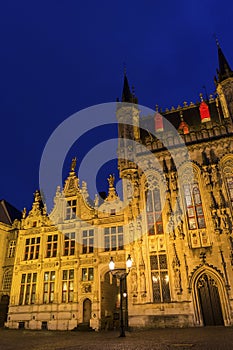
(204, 112)
(158, 122)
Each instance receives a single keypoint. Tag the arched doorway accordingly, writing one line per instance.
(86, 311)
(209, 299)
(4, 303)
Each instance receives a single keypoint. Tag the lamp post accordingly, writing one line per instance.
(121, 275)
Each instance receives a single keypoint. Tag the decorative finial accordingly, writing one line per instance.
(157, 108)
(201, 97)
(111, 180)
(112, 195)
(73, 164)
(216, 39)
(24, 213)
(37, 197)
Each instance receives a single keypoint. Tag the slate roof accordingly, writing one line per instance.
(8, 213)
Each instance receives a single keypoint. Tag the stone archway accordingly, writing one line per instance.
(209, 300)
(109, 302)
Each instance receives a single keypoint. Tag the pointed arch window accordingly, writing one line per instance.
(229, 182)
(194, 206)
(154, 211)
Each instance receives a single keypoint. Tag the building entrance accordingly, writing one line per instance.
(4, 303)
(209, 301)
(86, 311)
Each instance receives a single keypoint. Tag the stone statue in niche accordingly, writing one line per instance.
(139, 229)
(207, 180)
(142, 282)
(131, 232)
(216, 180)
(130, 211)
(174, 181)
(177, 280)
(225, 220)
(134, 285)
(179, 224)
(129, 188)
(216, 219)
(139, 252)
(171, 228)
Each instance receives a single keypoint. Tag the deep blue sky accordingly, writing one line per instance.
(60, 56)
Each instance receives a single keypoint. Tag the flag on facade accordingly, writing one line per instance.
(204, 112)
(158, 122)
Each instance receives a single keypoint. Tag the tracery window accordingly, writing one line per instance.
(194, 206)
(160, 278)
(229, 182)
(153, 208)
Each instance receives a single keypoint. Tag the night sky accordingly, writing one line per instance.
(58, 57)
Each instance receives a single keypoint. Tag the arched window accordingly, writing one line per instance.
(154, 210)
(11, 249)
(7, 280)
(194, 206)
(228, 179)
(229, 182)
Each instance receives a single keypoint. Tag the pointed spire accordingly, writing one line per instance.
(126, 93)
(224, 70)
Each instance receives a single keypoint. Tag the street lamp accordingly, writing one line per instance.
(121, 275)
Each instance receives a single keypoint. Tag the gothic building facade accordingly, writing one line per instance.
(175, 221)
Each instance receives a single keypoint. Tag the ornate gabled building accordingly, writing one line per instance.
(175, 221)
(9, 223)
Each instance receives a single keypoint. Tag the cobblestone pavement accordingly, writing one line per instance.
(163, 339)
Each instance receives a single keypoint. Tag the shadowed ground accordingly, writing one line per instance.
(188, 338)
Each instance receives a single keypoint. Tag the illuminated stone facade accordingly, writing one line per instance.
(175, 221)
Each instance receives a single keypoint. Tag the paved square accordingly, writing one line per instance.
(188, 338)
